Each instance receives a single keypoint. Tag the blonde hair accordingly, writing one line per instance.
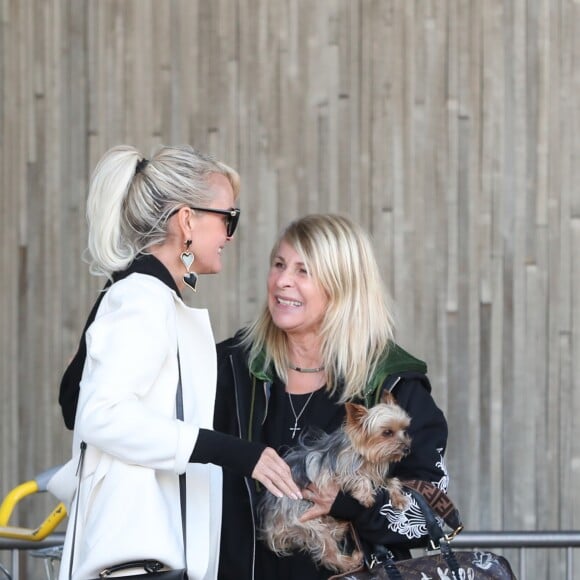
(357, 327)
(130, 199)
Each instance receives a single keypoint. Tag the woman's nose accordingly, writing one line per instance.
(284, 279)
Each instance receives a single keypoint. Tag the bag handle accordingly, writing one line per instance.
(438, 538)
(382, 556)
(150, 567)
(434, 530)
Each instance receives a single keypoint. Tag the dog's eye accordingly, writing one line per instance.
(387, 433)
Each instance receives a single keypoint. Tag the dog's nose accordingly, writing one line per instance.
(406, 444)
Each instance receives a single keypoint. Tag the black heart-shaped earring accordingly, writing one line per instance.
(187, 258)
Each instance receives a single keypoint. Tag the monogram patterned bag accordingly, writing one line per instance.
(460, 565)
(445, 564)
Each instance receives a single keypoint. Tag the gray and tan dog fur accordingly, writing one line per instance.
(357, 458)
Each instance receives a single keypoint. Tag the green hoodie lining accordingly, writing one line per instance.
(396, 360)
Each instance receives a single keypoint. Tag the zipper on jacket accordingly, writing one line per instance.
(246, 482)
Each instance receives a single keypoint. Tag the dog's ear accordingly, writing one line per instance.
(355, 413)
(388, 398)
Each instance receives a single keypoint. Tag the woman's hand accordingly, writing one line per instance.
(273, 472)
(322, 501)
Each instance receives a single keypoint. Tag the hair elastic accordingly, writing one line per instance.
(141, 165)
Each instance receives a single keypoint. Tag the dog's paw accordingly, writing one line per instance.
(343, 563)
(367, 500)
(399, 501)
(363, 492)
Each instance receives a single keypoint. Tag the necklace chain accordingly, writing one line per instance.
(304, 370)
(297, 417)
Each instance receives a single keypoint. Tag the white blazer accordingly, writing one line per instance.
(129, 495)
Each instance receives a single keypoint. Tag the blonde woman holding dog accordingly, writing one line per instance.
(323, 338)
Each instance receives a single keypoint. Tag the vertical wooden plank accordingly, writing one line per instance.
(72, 271)
(68, 273)
(347, 95)
(453, 156)
(456, 385)
(232, 72)
(564, 206)
(12, 180)
(211, 292)
(432, 189)
(473, 267)
(62, 150)
(6, 385)
(229, 152)
(330, 144)
(398, 183)
(380, 206)
(32, 300)
(571, 384)
(547, 224)
(460, 373)
(161, 62)
(406, 253)
(435, 343)
(519, 465)
(259, 206)
(363, 113)
(188, 14)
(101, 28)
(289, 160)
(311, 30)
(450, 246)
(489, 41)
(138, 62)
(493, 155)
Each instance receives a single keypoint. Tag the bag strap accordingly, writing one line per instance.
(439, 502)
(182, 481)
(382, 556)
(434, 530)
(79, 474)
(149, 566)
(438, 538)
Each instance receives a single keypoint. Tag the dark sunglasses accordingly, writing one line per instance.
(232, 217)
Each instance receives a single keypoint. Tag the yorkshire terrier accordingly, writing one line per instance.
(357, 459)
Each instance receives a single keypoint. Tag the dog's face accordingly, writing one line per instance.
(379, 434)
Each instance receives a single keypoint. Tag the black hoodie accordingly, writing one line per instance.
(241, 409)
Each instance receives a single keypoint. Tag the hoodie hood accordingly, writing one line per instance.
(395, 360)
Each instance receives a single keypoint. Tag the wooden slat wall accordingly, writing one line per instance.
(449, 128)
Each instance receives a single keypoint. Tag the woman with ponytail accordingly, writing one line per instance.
(155, 226)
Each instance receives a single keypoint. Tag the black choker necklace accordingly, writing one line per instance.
(302, 370)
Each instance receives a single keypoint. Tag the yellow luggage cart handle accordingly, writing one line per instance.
(19, 493)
